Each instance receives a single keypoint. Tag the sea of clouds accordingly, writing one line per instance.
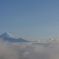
(31, 50)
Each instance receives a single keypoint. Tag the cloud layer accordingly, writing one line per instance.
(44, 50)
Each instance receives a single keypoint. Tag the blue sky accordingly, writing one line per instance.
(30, 19)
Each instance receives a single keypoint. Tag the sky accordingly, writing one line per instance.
(30, 19)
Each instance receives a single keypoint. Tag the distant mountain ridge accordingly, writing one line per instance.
(11, 38)
(7, 35)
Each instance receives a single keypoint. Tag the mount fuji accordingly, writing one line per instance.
(11, 38)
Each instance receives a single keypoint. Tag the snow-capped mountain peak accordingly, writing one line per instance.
(11, 38)
(7, 35)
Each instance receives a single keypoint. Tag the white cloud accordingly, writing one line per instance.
(48, 50)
